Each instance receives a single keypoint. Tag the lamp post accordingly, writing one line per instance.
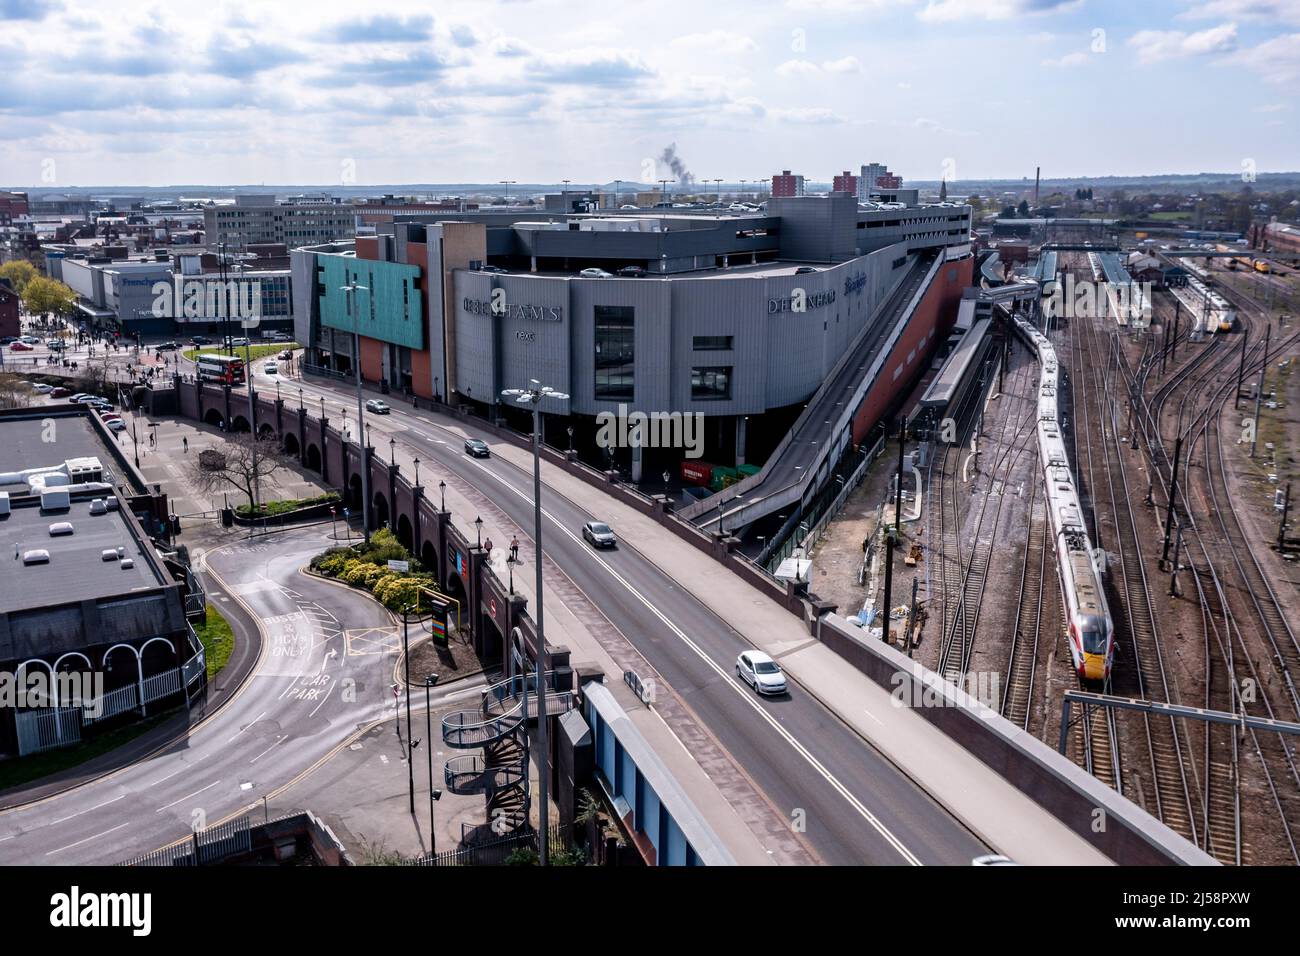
(410, 745)
(300, 397)
(533, 397)
(478, 530)
(392, 451)
(442, 491)
(429, 681)
(417, 472)
(507, 183)
(352, 288)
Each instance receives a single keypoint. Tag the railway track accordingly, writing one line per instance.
(1022, 664)
(959, 641)
(1231, 589)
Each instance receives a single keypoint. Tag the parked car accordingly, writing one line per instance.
(107, 417)
(270, 368)
(60, 392)
(30, 340)
(101, 405)
(42, 387)
(804, 270)
(115, 425)
(477, 448)
(20, 347)
(599, 534)
(632, 272)
(278, 336)
(55, 345)
(378, 406)
(495, 270)
(8, 340)
(595, 274)
(760, 672)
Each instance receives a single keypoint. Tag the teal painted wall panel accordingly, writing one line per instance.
(389, 308)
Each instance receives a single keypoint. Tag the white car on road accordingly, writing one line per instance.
(760, 672)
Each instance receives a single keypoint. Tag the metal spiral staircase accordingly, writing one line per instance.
(499, 727)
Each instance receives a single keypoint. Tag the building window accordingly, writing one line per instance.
(709, 382)
(708, 343)
(615, 352)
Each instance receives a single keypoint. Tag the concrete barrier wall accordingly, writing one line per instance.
(1128, 834)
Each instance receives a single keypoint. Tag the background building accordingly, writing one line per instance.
(260, 218)
(787, 184)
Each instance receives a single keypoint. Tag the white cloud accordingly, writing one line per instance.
(812, 115)
(1271, 11)
(797, 68)
(1070, 59)
(1154, 46)
(944, 11)
(1276, 60)
(1272, 108)
(717, 41)
(847, 64)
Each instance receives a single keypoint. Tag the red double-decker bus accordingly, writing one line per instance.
(215, 367)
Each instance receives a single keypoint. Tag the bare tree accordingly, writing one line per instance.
(241, 462)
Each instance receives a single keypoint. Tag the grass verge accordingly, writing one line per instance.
(218, 640)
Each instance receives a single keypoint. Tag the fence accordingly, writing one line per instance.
(204, 848)
(47, 729)
(50, 728)
(496, 852)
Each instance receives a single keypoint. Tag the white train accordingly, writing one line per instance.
(1210, 312)
(1092, 632)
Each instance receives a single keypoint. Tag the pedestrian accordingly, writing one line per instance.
(487, 546)
(185, 443)
(514, 549)
(865, 542)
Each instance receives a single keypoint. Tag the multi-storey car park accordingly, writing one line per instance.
(91, 588)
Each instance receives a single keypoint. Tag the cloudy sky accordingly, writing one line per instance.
(225, 91)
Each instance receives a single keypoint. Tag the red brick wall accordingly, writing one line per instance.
(368, 247)
(372, 359)
(930, 324)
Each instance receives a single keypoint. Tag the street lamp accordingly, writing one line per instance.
(417, 472)
(533, 397)
(478, 530)
(429, 681)
(442, 491)
(352, 288)
(392, 451)
(300, 397)
(410, 744)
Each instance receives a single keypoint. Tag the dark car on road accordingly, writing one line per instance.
(599, 534)
(166, 347)
(200, 340)
(632, 272)
(477, 448)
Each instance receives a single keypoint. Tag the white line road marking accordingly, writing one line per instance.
(322, 700)
(87, 810)
(249, 724)
(183, 799)
(736, 686)
(278, 741)
(88, 839)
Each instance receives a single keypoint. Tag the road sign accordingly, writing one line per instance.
(403, 566)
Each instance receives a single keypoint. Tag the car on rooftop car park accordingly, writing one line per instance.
(599, 534)
(378, 407)
(60, 392)
(115, 425)
(477, 448)
(760, 672)
(804, 270)
(632, 272)
(595, 274)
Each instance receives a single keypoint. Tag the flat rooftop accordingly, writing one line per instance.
(76, 570)
(747, 270)
(26, 441)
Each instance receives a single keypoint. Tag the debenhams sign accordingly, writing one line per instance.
(498, 305)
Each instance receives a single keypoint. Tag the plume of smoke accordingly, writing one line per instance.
(674, 162)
